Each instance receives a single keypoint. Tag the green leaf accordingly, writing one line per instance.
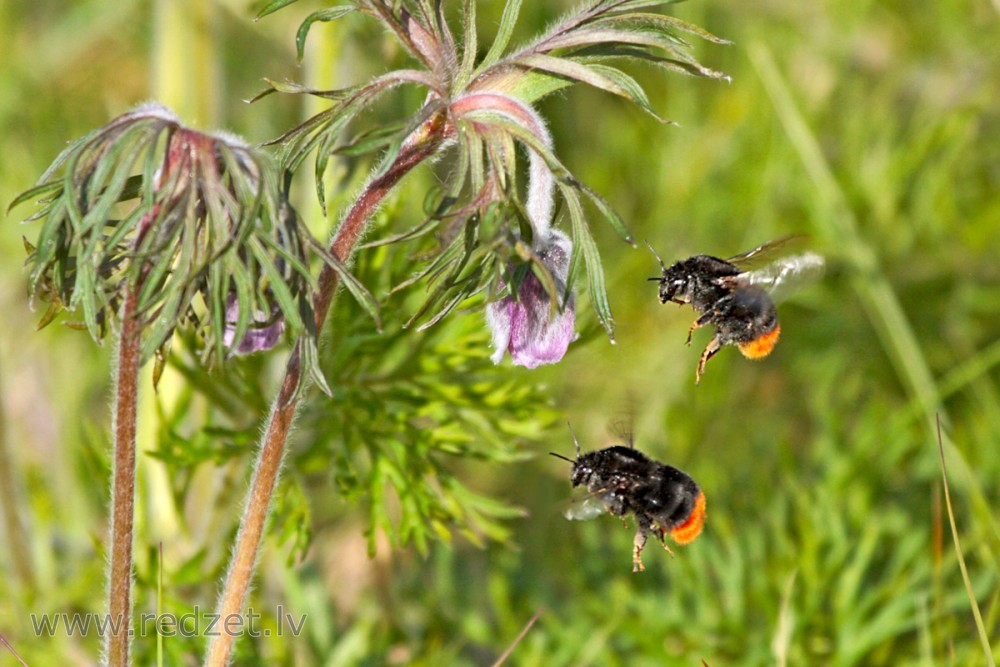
(417, 120)
(467, 291)
(39, 192)
(664, 22)
(513, 127)
(599, 76)
(610, 37)
(353, 285)
(55, 307)
(606, 209)
(310, 361)
(369, 141)
(479, 256)
(689, 68)
(292, 88)
(66, 153)
(162, 327)
(324, 127)
(602, 29)
(272, 7)
(324, 15)
(507, 22)
(469, 46)
(472, 147)
(531, 85)
(280, 289)
(440, 262)
(425, 227)
(453, 260)
(632, 90)
(619, 7)
(592, 260)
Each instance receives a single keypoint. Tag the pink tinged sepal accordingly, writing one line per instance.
(263, 333)
(528, 328)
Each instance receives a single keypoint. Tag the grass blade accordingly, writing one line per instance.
(980, 627)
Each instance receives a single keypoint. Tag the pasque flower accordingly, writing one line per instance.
(535, 321)
(479, 109)
(192, 225)
(529, 326)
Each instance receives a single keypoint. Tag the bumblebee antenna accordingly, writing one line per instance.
(560, 456)
(663, 267)
(575, 441)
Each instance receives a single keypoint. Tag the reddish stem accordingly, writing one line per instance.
(126, 409)
(123, 491)
(420, 145)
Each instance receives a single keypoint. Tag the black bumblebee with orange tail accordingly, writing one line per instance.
(621, 480)
(735, 296)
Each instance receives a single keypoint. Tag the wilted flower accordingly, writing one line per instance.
(528, 326)
(263, 333)
(191, 225)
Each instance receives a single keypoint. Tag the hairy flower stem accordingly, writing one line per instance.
(123, 487)
(420, 145)
(126, 409)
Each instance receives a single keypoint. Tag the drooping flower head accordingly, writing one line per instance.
(533, 327)
(192, 224)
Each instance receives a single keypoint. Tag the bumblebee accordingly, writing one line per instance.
(621, 480)
(735, 297)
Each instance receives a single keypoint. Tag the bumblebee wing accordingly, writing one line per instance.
(784, 276)
(622, 430)
(586, 509)
(766, 253)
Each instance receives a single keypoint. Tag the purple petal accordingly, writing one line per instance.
(538, 337)
(528, 328)
(259, 336)
(498, 315)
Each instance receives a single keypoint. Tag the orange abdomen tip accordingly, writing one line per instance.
(760, 347)
(691, 528)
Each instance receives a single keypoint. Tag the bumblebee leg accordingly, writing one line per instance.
(691, 331)
(667, 547)
(662, 536)
(638, 544)
(645, 525)
(699, 323)
(713, 346)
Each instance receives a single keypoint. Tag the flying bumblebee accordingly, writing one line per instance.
(621, 480)
(736, 295)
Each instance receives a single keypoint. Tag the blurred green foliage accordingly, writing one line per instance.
(870, 126)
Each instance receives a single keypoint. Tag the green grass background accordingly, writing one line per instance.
(870, 126)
